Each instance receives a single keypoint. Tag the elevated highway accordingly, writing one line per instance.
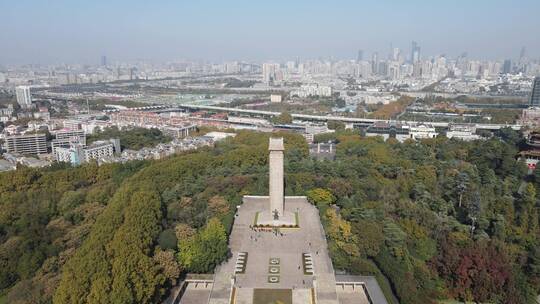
(353, 120)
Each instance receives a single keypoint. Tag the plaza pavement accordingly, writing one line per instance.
(261, 246)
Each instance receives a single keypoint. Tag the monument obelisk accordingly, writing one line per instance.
(275, 213)
(276, 186)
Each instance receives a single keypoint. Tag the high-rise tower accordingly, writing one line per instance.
(360, 56)
(375, 63)
(507, 66)
(24, 98)
(415, 52)
(535, 94)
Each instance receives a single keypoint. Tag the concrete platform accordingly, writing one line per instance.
(288, 246)
(268, 249)
(196, 294)
(352, 294)
(354, 288)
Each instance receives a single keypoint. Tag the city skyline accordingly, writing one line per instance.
(65, 32)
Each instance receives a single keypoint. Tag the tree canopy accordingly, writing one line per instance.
(132, 138)
(432, 220)
(283, 118)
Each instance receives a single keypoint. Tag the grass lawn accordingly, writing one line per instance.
(272, 296)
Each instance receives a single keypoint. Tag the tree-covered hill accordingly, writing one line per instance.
(131, 138)
(45, 214)
(438, 219)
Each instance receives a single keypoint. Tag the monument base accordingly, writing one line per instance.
(290, 218)
(266, 218)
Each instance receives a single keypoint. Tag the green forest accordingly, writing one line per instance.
(432, 220)
(134, 138)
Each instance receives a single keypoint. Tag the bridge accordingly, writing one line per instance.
(353, 120)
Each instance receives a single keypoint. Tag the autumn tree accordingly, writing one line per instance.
(218, 206)
(168, 265)
(204, 250)
(320, 197)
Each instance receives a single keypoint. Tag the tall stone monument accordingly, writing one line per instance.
(275, 213)
(277, 196)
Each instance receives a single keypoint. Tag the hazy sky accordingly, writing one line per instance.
(70, 31)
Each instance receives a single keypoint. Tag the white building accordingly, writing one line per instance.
(26, 144)
(77, 153)
(24, 98)
(68, 155)
(91, 126)
(43, 113)
(217, 136)
(6, 113)
(98, 150)
(312, 90)
(271, 72)
(66, 138)
(462, 132)
(317, 129)
(422, 132)
(68, 133)
(312, 130)
(275, 98)
(530, 117)
(72, 124)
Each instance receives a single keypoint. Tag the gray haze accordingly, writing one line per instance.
(73, 31)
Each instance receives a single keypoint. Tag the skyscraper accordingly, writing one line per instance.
(375, 63)
(415, 52)
(522, 53)
(507, 66)
(535, 94)
(360, 56)
(103, 60)
(270, 72)
(395, 54)
(24, 98)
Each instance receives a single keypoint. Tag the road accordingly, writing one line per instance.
(336, 118)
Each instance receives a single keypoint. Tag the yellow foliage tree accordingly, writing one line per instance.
(340, 231)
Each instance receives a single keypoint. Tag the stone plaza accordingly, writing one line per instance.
(287, 245)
